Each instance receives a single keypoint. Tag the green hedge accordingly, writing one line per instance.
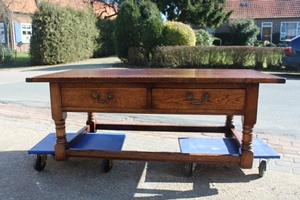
(61, 35)
(218, 57)
(105, 41)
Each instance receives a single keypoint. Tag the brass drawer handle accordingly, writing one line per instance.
(190, 97)
(108, 96)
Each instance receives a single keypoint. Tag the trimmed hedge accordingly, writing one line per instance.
(61, 35)
(217, 57)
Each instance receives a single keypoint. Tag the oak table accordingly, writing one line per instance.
(225, 92)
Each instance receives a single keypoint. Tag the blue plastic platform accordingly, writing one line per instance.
(224, 146)
(92, 141)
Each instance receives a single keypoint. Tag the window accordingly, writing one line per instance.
(289, 30)
(26, 32)
(23, 32)
(2, 33)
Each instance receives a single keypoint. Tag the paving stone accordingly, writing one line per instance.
(296, 171)
(279, 143)
(273, 142)
(297, 160)
(296, 144)
(290, 148)
(279, 168)
(291, 156)
(285, 143)
(288, 159)
(286, 151)
(287, 164)
(287, 139)
(267, 137)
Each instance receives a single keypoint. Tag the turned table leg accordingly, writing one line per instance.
(61, 139)
(229, 125)
(92, 122)
(247, 151)
(59, 118)
(249, 120)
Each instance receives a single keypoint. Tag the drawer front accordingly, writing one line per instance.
(112, 98)
(203, 99)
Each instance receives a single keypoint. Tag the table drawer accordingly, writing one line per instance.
(114, 98)
(203, 99)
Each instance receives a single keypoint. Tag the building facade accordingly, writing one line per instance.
(278, 20)
(16, 17)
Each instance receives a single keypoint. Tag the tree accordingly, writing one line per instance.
(205, 13)
(126, 32)
(137, 30)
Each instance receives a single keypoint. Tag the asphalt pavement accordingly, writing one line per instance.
(25, 120)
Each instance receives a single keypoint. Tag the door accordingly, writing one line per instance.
(266, 31)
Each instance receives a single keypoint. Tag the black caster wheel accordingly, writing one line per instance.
(107, 165)
(189, 168)
(262, 168)
(40, 162)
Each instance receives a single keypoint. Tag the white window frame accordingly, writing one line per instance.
(284, 32)
(26, 32)
(2, 33)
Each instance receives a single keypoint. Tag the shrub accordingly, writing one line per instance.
(177, 33)
(105, 41)
(203, 38)
(151, 25)
(5, 55)
(243, 32)
(126, 32)
(61, 35)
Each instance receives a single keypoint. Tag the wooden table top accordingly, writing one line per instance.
(160, 76)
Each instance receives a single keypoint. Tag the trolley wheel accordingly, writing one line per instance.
(40, 162)
(189, 168)
(107, 165)
(262, 168)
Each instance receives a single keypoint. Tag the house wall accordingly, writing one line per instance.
(10, 31)
(223, 31)
(276, 27)
(19, 18)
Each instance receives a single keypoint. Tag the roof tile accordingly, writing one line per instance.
(30, 6)
(264, 8)
(26, 6)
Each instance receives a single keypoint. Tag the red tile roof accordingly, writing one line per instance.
(30, 6)
(72, 3)
(264, 8)
(25, 6)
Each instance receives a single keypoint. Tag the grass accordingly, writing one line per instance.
(24, 57)
(18, 60)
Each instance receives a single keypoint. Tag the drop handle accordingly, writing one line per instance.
(108, 96)
(190, 97)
